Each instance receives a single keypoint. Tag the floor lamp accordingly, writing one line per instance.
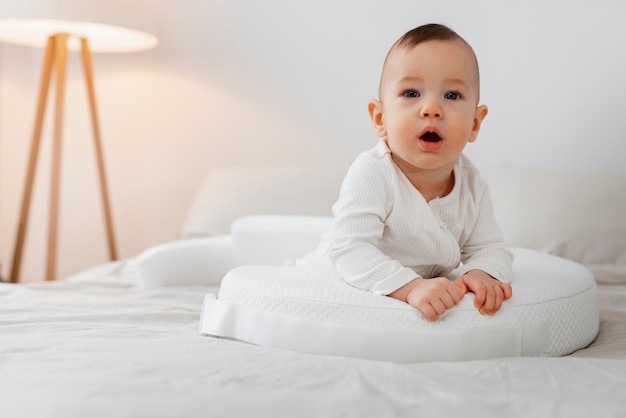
(69, 25)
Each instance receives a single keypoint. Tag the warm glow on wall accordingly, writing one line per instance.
(103, 38)
(60, 26)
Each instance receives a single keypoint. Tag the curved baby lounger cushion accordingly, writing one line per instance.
(553, 312)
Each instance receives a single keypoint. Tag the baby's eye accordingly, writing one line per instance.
(411, 94)
(452, 95)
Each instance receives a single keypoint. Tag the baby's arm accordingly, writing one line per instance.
(487, 261)
(490, 292)
(431, 296)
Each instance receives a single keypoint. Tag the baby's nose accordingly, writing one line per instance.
(431, 110)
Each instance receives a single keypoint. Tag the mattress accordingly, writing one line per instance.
(553, 312)
(102, 347)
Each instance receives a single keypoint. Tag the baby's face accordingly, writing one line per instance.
(428, 104)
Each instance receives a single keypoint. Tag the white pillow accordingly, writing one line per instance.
(602, 251)
(276, 239)
(550, 211)
(229, 193)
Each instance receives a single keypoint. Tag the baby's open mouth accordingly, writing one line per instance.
(430, 137)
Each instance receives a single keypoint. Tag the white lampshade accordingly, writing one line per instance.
(109, 25)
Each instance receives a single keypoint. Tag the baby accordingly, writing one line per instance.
(414, 208)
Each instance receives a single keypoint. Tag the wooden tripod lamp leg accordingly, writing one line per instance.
(60, 59)
(32, 160)
(87, 64)
(55, 57)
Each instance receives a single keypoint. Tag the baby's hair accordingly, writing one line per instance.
(431, 32)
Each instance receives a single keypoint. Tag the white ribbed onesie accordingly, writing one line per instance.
(385, 234)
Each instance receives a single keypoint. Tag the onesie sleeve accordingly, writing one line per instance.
(359, 221)
(485, 248)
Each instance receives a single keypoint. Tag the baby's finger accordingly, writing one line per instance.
(480, 293)
(490, 302)
(460, 283)
(499, 293)
(507, 289)
(428, 311)
(448, 300)
(438, 306)
(457, 292)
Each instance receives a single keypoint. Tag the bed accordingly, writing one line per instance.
(121, 339)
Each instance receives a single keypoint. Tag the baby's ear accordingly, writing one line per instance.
(375, 109)
(479, 116)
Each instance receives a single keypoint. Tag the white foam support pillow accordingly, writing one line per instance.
(553, 312)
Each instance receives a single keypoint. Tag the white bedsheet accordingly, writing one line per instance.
(103, 348)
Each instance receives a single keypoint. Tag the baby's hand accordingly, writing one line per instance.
(490, 293)
(431, 296)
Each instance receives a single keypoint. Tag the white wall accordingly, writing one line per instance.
(243, 82)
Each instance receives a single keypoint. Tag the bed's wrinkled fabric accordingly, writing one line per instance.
(104, 348)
